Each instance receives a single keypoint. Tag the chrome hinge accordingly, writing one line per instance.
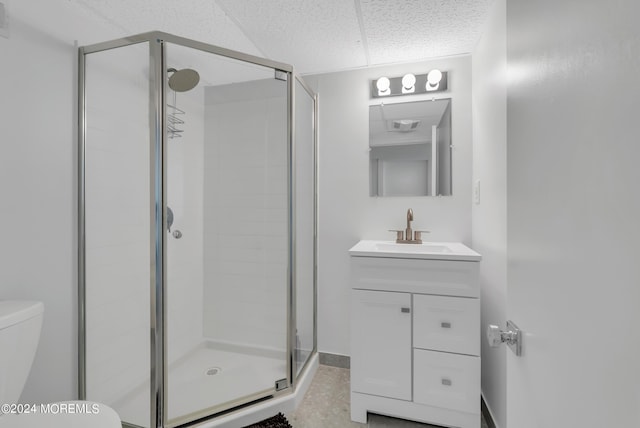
(281, 384)
(280, 75)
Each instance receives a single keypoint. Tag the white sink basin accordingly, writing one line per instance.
(426, 250)
(426, 247)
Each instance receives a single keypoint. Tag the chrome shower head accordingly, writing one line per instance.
(183, 80)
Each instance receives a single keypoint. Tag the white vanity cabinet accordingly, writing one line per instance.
(415, 335)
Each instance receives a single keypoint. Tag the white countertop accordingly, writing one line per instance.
(426, 250)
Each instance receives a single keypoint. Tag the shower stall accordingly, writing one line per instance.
(197, 230)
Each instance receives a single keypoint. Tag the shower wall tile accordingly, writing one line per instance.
(245, 220)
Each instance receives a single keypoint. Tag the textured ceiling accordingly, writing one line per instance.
(398, 31)
(312, 35)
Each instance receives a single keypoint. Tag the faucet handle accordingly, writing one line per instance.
(417, 235)
(399, 234)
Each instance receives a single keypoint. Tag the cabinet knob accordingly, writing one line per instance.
(405, 310)
(445, 324)
(446, 381)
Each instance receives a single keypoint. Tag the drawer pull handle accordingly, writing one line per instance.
(445, 324)
(446, 382)
(405, 310)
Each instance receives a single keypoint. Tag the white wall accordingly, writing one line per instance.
(346, 211)
(489, 218)
(573, 210)
(37, 179)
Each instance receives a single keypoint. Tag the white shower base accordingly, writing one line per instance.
(191, 389)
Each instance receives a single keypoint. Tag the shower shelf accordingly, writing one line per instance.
(174, 122)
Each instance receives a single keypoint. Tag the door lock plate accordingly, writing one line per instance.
(515, 343)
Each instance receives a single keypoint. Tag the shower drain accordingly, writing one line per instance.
(211, 371)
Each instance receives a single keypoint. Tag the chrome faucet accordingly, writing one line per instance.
(409, 236)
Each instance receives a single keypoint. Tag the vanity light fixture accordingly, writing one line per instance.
(409, 84)
(433, 80)
(383, 85)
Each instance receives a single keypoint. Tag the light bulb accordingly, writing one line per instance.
(383, 85)
(408, 81)
(434, 77)
(433, 80)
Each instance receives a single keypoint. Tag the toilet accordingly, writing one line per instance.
(20, 324)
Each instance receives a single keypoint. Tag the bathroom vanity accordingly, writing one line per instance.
(415, 332)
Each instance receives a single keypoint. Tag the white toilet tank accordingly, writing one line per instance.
(20, 323)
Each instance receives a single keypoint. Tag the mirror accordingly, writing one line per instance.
(410, 148)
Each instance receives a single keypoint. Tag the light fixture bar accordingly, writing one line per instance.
(394, 86)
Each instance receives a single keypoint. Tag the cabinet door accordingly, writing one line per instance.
(381, 343)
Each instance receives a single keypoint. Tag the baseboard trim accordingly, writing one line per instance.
(335, 360)
(487, 414)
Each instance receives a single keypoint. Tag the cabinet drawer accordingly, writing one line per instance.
(450, 381)
(442, 277)
(449, 324)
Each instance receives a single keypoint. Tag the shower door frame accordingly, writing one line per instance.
(292, 229)
(158, 195)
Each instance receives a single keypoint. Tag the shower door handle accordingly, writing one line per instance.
(169, 219)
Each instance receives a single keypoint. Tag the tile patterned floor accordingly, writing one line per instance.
(326, 405)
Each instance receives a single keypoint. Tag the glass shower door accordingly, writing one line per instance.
(117, 223)
(305, 197)
(227, 244)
